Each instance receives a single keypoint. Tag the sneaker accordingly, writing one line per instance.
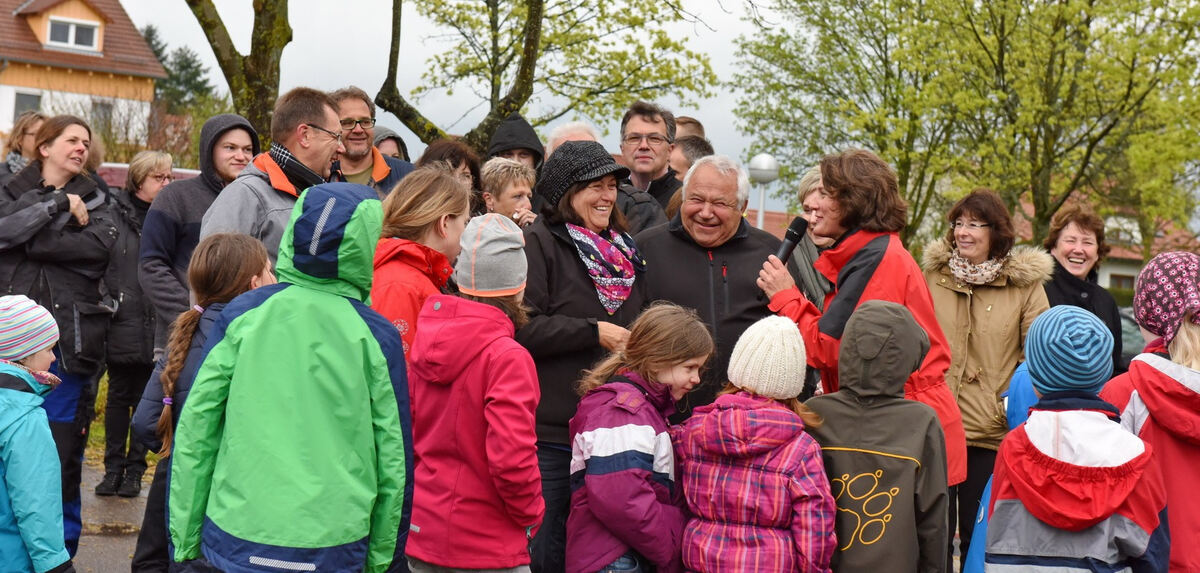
(110, 483)
(131, 486)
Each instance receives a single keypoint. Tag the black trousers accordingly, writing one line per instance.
(964, 499)
(150, 555)
(125, 385)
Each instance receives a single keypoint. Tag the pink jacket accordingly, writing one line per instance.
(477, 481)
(756, 487)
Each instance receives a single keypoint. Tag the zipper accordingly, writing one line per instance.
(712, 294)
(724, 288)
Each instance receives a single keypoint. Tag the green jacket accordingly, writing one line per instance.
(294, 449)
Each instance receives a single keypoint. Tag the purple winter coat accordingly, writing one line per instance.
(623, 492)
(756, 486)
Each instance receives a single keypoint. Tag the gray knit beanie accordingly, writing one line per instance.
(492, 262)
(769, 359)
(1068, 348)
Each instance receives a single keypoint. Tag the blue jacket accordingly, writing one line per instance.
(149, 410)
(31, 517)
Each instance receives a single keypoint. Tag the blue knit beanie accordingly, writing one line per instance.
(1068, 348)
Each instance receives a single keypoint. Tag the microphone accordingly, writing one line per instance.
(791, 238)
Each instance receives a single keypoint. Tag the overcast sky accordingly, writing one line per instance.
(335, 44)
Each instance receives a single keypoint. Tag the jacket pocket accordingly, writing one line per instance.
(83, 336)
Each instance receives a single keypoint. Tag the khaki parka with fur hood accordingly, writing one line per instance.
(986, 327)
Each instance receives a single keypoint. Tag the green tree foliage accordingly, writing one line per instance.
(1024, 96)
(581, 57)
(824, 76)
(186, 83)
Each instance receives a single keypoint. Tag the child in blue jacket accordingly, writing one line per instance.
(31, 516)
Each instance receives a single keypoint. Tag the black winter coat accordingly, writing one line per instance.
(563, 311)
(131, 334)
(718, 283)
(1066, 288)
(47, 256)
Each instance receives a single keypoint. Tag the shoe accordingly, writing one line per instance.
(108, 486)
(131, 485)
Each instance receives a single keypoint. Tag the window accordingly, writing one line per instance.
(73, 34)
(102, 114)
(1120, 282)
(26, 102)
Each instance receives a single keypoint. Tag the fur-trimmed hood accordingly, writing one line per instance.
(1026, 265)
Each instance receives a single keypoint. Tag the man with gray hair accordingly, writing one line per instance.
(707, 258)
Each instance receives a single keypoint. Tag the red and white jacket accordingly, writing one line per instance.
(1159, 401)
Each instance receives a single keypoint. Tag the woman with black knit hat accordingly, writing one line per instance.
(583, 290)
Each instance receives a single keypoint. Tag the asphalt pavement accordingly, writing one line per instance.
(110, 525)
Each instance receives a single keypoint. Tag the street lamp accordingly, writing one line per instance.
(763, 169)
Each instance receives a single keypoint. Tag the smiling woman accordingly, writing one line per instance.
(585, 285)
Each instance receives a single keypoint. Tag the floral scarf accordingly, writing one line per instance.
(16, 162)
(972, 274)
(46, 379)
(612, 263)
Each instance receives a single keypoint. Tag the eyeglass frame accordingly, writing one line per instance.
(637, 138)
(354, 123)
(334, 134)
(973, 225)
(164, 179)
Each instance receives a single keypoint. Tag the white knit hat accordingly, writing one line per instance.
(769, 359)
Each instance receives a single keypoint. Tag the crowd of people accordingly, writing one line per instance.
(550, 360)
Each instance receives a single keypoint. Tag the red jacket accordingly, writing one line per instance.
(406, 273)
(474, 392)
(875, 266)
(1159, 401)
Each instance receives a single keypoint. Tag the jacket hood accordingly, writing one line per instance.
(516, 133)
(1025, 266)
(329, 243)
(1171, 392)
(1068, 480)
(19, 393)
(210, 133)
(881, 347)
(429, 262)
(743, 425)
(439, 354)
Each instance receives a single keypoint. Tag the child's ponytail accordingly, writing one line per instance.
(177, 352)
(221, 268)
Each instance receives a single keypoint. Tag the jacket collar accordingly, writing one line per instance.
(429, 262)
(659, 395)
(832, 260)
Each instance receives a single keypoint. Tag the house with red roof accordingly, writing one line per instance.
(83, 57)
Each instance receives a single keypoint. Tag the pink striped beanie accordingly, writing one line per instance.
(25, 327)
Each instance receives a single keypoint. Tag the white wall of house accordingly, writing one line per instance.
(127, 118)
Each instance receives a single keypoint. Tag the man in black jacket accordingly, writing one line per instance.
(516, 140)
(707, 258)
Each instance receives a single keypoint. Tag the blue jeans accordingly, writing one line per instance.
(627, 563)
(549, 548)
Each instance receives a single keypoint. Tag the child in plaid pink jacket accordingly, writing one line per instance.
(753, 479)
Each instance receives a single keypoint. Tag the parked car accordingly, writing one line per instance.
(115, 173)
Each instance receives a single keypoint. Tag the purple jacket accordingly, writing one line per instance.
(623, 493)
(756, 487)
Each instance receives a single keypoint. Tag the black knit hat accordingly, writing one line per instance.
(575, 162)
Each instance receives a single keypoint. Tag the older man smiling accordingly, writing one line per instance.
(707, 258)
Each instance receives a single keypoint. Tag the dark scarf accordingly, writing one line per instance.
(297, 173)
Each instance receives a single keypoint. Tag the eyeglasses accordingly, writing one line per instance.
(163, 178)
(653, 139)
(334, 134)
(973, 225)
(349, 124)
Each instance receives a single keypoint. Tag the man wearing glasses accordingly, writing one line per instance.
(707, 258)
(647, 138)
(306, 136)
(362, 162)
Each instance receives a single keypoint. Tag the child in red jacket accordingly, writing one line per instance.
(626, 511)
(478, 497)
